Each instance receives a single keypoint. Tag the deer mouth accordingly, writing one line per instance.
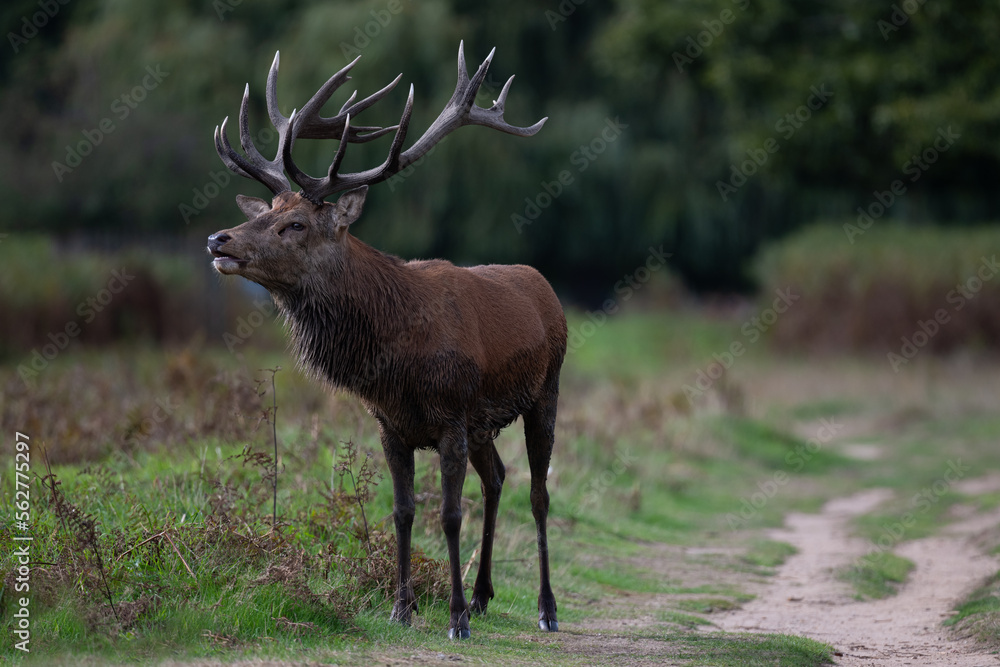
(226, 263)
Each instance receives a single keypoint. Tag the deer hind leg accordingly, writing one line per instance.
(400, 460)
(539, 434)
(489, 467)
(453, 448)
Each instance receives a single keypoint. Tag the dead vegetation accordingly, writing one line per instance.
(117, 569)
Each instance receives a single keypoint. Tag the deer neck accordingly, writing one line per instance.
(345, 319)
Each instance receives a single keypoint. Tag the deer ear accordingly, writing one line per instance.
(348, 207)
(252, 206)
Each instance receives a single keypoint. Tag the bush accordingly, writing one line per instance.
(934, 287)
(51, 295)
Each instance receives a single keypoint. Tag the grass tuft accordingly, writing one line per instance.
(768, 553)
(979, 614)
(877, 575)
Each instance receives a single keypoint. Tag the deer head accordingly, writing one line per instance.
(298, 233)
(286, 239)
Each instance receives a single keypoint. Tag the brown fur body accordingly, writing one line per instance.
(442, 356)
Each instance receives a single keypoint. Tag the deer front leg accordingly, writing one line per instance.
(453, 449)
(400, 460)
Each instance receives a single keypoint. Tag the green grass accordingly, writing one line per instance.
(681, 619)
(877, 575)
(228, 604)
(634, 469)
(832, 407)
(752, 650)
(768, 553)
(633, 344)
(979, 613)
(711, 605)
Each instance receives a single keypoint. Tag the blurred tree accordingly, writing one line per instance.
(847, 93)
(109, 107)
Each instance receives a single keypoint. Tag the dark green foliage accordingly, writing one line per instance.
(654, 182)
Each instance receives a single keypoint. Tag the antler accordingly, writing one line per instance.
(460, 110)
(308, 125)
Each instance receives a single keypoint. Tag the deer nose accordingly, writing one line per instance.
(217, 240)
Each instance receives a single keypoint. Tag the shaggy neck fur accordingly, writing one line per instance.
(345, 336)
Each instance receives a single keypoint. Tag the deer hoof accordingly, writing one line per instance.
(548, 626)
(459, 633)
(401, 612)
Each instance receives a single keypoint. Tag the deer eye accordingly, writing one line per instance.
(295, 226)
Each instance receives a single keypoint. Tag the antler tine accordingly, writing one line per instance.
(271, 95)
(348, 102)
(226, 153)
(392, 162)
(245, 140)
(463, 70)
(254, 165)
(341, 150)
(269, 173)
(313, 126)
(373, 131)
(493, 117)
(460, 110)
(310, 186)
(308, 124)
(472, 88)
(316, 190)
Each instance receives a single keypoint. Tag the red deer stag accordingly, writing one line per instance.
(443, 357)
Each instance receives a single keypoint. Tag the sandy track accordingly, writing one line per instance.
(806, 599)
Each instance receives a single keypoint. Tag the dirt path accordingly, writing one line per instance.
(806, 599)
